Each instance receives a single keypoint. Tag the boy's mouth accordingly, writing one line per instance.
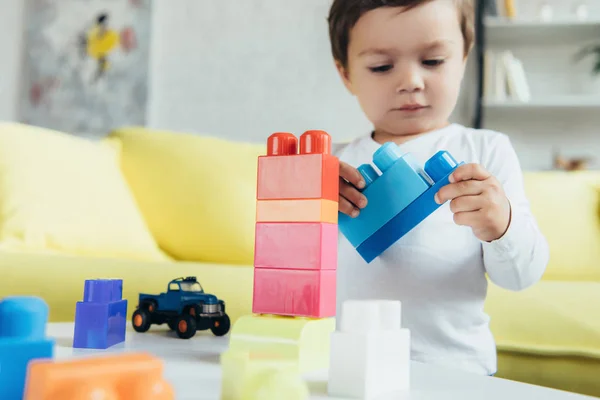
(410, 107)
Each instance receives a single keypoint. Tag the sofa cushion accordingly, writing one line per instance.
(197, 192)
(566, 206)
(549, 334)
(42, 275)
(61, 193)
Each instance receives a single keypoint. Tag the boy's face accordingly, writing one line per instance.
(406, 66)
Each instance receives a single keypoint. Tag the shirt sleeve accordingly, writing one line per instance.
(519, 258)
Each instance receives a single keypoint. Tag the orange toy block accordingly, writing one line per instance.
(128, 376)
(306, 210)
(310, 173)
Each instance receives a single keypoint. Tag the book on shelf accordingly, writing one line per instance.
(504, 77)
(500, 8)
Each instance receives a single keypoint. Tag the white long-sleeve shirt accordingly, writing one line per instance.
(438, 270)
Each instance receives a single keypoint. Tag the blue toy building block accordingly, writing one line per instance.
(22, 339)
(436, 172)
(399, 184)
(101, 318)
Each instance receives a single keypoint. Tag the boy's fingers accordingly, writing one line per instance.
(352, 194)
(466, 204)
(466, 172)
(462, 188)
(347, 208)
(352, 175)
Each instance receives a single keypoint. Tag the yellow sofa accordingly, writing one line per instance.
(549, 334)
(140, 206)
(168, 204)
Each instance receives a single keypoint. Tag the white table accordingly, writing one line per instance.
(193, 368)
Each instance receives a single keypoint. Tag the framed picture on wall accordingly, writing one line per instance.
(86, 64)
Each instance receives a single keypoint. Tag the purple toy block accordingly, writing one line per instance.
(101, 318)
(23, 338)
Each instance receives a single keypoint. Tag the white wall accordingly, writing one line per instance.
(247, 69)
(11, 46)
(236, 69)
(244, 69)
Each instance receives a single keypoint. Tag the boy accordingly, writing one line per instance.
(404, 60)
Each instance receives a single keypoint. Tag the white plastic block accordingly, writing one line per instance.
(370, 315)
(368, 365)
(390, 314)
(370, 354)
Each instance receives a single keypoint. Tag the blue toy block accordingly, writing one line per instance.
(101, 318)
(399, 184)
(436, 173)
(22, 339)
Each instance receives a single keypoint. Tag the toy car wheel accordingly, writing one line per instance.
(149, 305)
(193, 310)
(185, 326)
(221, 325)
(141, 320)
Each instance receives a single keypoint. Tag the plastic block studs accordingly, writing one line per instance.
(287, 172)
(22, 339)
(101, 318)
(127, 376)
(295, 253)
(370, 353)
(399, 198)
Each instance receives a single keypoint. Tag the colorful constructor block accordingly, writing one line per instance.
(295, 255)
(287, 172)
(295, 266)
(259, 376)
(22, 339)
(101, 318)
(370, 352)
(399, 198)
(127, 376)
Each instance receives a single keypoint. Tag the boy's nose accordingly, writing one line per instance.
(409, 80)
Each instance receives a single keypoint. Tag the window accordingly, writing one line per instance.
(191, 287)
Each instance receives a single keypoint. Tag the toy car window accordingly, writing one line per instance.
(191, 287)
(174, 286)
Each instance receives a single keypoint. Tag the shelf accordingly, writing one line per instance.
(549, 102)
(503, 31)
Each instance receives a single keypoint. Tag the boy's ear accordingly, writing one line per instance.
(344, 75)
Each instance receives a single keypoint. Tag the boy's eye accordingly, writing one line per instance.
(433, 63)
(381, 68)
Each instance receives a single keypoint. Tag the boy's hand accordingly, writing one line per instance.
(477, 200)
(351, 199)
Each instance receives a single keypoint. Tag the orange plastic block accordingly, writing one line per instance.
(305, 210)
(308, 173)
(128, 376)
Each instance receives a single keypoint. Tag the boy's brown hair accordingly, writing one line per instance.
(344, 14)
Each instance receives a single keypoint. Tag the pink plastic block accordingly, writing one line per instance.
(307, 171)
(300, 293)
(296, 245)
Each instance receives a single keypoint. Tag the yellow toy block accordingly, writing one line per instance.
(305, 340)
(260, 376)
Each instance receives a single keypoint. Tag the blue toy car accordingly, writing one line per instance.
(185, 308)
